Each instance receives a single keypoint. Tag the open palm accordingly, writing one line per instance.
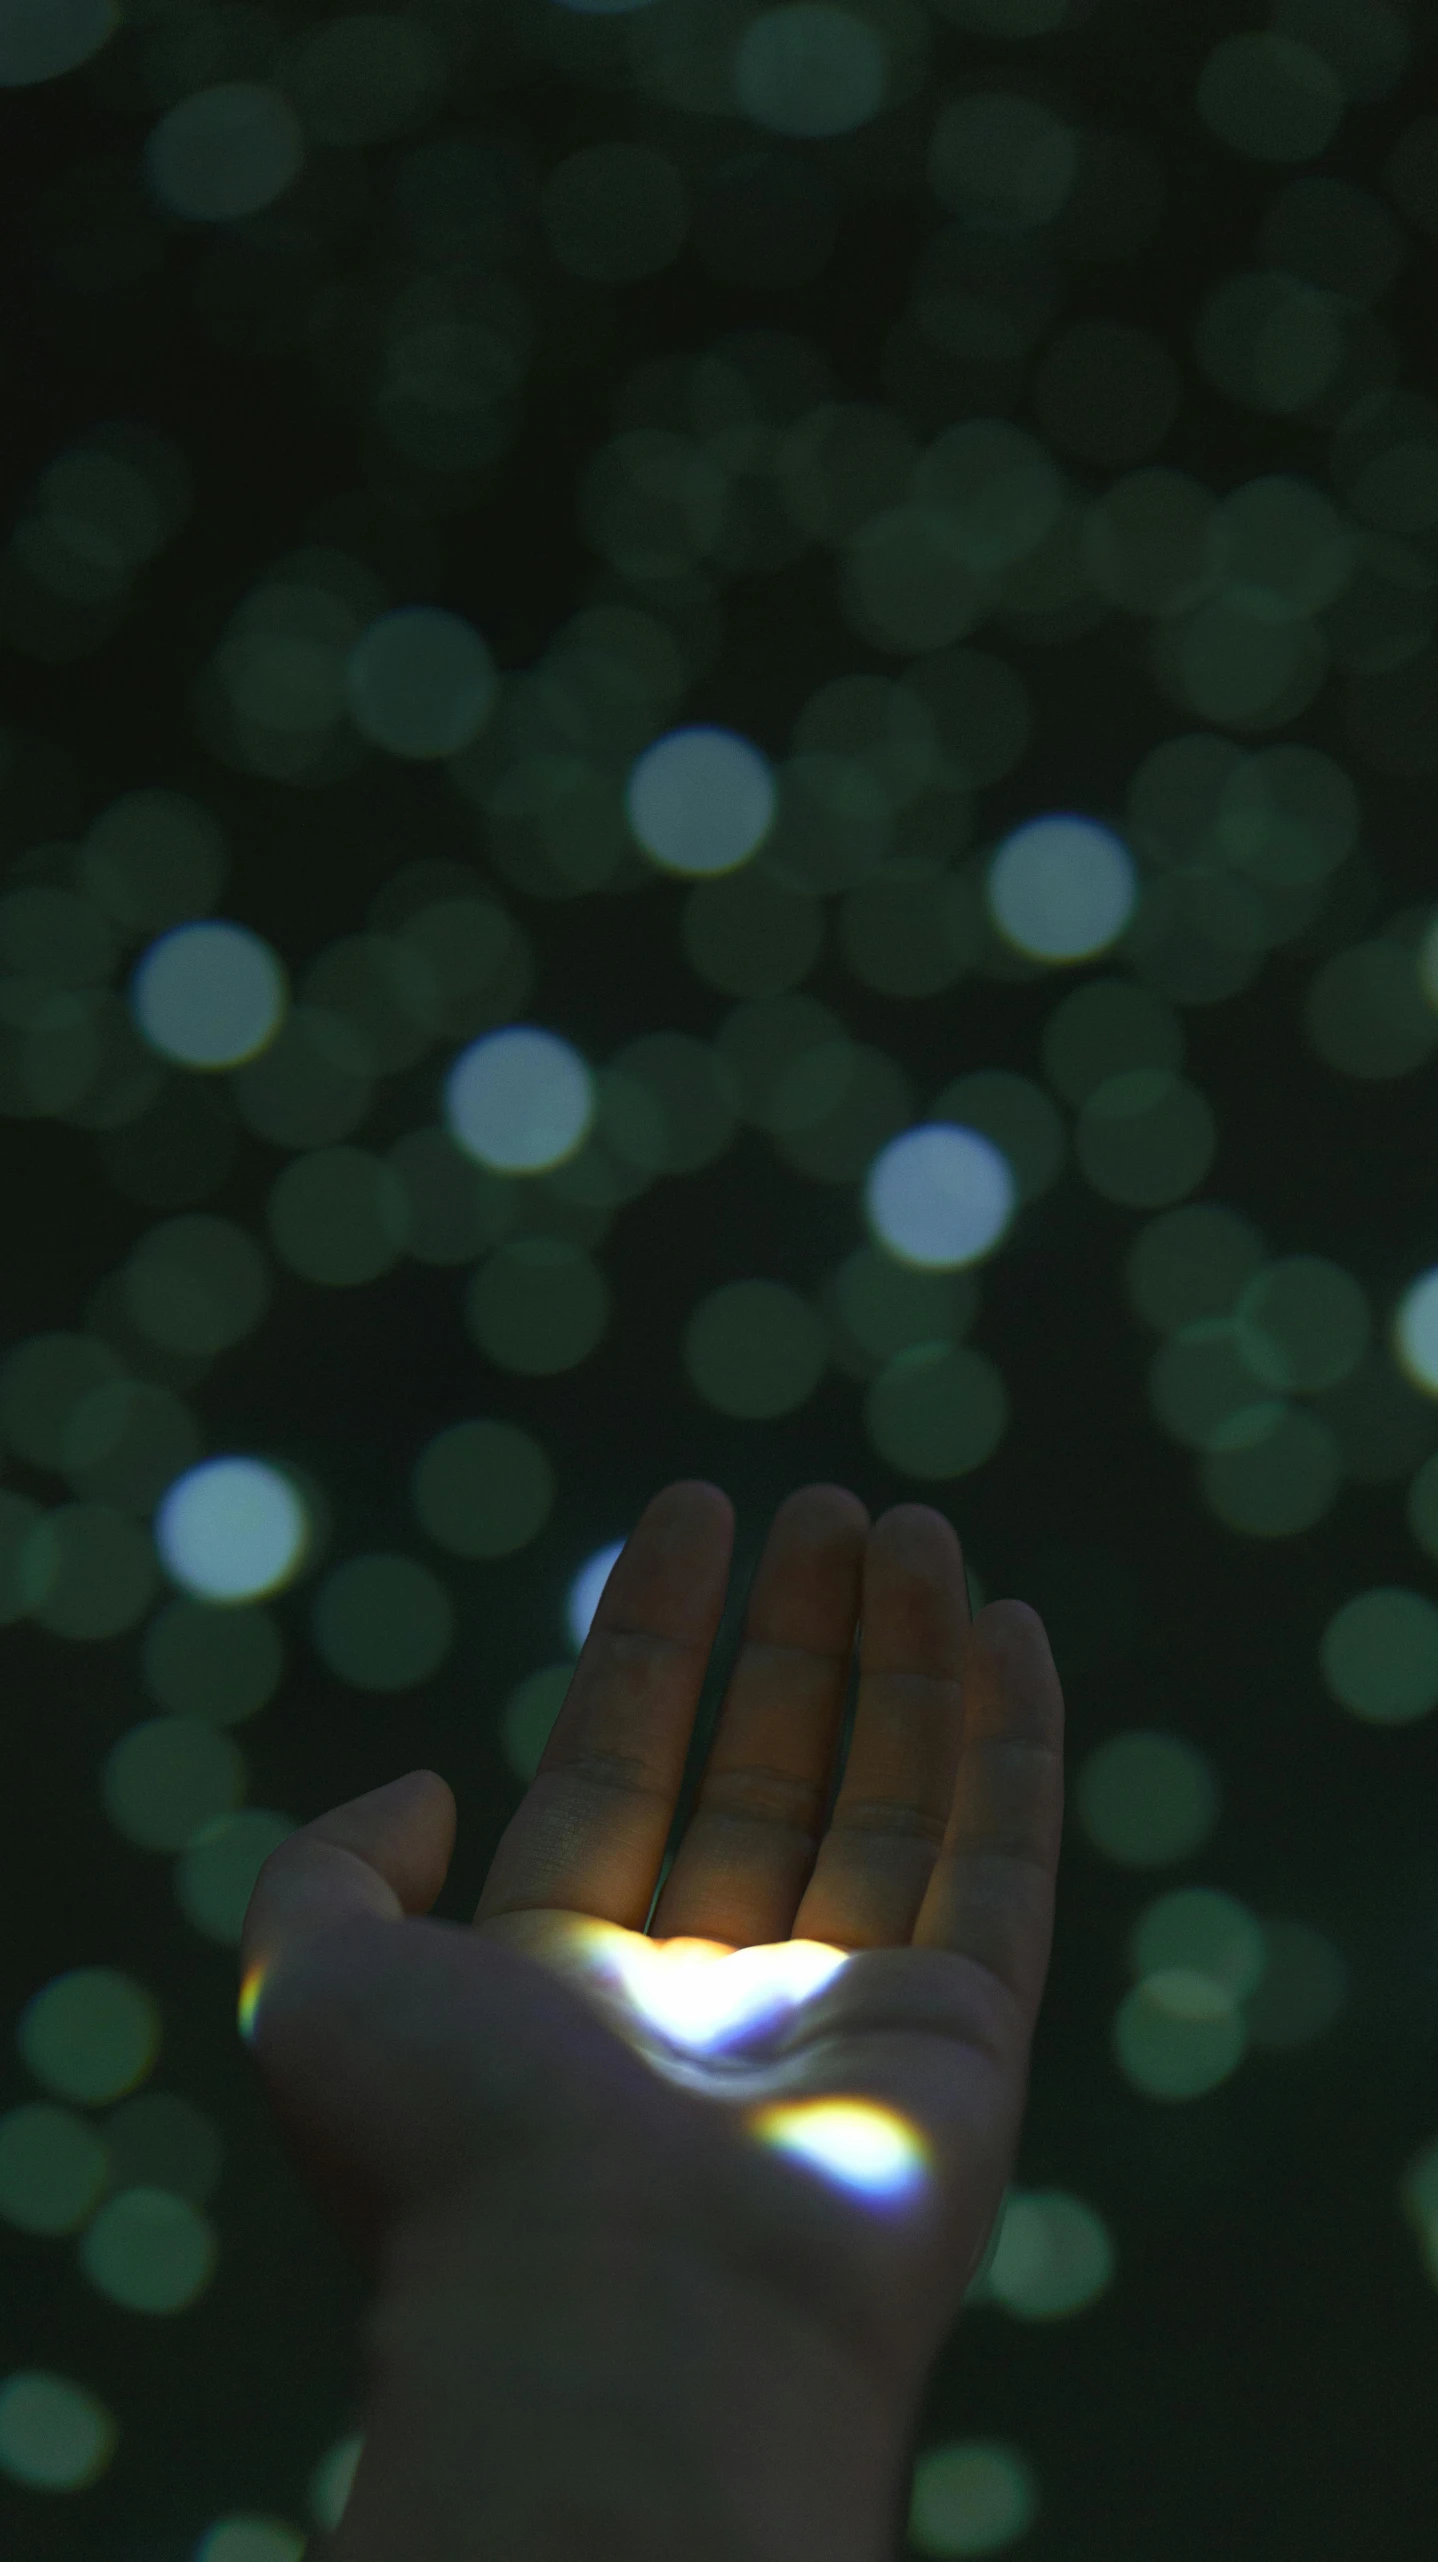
(812, 2065)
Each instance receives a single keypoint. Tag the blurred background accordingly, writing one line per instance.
(717, 739)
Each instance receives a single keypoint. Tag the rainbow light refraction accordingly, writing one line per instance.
(251, 1986)
(862, 2146)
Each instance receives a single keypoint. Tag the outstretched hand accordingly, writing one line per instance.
(811, 2069)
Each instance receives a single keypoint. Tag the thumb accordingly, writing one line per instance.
(386, 1853)
(380, 1857)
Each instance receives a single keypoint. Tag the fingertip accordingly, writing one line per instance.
(670, 1576)
(693, 1498)
(913, 1530)
(1019, 1617)
(826, 1496)
(404, 1830)
(1012, 1634)
(431, 1779)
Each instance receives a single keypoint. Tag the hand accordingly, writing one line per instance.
(831, 2113)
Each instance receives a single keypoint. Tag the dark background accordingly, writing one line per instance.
(1259, 2378)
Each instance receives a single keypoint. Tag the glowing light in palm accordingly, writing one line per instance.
(700, 2012)
(695, 2009)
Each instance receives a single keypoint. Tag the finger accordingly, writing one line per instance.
(991, 1895)
(748, 1848)
(379, 1857)
(876, 1859)
(385, 1853)
(589, 1834)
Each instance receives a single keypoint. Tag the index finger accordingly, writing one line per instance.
(589, 1834)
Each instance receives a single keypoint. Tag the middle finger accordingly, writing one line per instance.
(750, 1843)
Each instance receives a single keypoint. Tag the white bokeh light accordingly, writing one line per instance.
(1062, 888)
(940, 1196)
(1415, 1332)
(582, 1598)
(701, 801)
(231, 1529)
(520, 1100)
(209, 994)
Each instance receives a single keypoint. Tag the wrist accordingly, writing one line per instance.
(573, 2391)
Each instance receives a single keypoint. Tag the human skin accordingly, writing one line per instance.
(613, 2317)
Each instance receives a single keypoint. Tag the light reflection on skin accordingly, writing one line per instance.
(691, 2008)
(871, 2151)
(699, 1995)
(252, 1984)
